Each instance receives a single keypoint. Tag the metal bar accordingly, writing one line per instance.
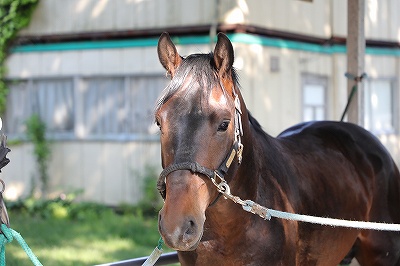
(165, 259)
(355, 58)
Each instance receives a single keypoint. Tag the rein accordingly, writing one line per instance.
(216, 176)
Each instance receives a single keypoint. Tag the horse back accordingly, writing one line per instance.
(343, 171)
(370, 165)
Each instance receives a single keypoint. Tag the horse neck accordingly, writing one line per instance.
(253, 180)
(264, 169)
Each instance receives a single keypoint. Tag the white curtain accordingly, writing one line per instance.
(53, 100)
(143, 93)
(17, 108)
(103, 105)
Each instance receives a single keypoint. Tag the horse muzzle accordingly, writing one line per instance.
(181, 220)
(184, 235)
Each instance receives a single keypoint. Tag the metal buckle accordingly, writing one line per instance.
(222, 186)
(237, 105)
(239, 152)
(221, 179)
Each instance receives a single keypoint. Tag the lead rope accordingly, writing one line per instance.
(6, 233)
(155, 255)
(267, 214)
(7, 236)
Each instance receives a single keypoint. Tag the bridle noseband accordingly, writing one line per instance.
(216, 176)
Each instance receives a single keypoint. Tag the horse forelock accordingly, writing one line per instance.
(197, 71)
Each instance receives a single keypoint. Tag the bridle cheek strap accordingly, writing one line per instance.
(195, 167)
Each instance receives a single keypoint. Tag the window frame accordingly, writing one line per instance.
(79, 131)
(314, 79)
(393, 81)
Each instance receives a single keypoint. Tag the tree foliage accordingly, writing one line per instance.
(14, 15)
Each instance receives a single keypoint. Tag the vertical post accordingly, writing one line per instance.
(355, 57)
(214, 24)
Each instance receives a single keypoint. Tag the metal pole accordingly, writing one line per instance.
(214, 24)
(355, 58)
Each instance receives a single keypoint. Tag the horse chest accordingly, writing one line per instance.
(254, 244)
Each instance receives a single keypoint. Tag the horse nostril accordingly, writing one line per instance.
(190, 231)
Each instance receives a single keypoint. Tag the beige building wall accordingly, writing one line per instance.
(107, 172)
(320, 18)
(77, 16)
(110, 171)
(143, 60)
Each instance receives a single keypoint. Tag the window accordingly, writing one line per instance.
(17, 107)
(103, 106)
(142, 98)
(85, 107)
(314, 97)
(380, 105)
(51, 99)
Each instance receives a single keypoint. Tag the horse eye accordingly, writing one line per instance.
(158, 124)
(223, 126)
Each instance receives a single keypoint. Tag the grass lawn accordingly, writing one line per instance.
(88, 240)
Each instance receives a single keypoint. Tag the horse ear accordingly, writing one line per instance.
(223, 55)
(167, 54)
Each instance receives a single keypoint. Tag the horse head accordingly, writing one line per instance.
(199, 137)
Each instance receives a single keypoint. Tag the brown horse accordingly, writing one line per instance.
(328, 169)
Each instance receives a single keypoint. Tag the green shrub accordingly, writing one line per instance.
(151, 202)
(36, 132)
(65, 206)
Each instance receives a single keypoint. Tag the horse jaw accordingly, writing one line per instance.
(181, 220)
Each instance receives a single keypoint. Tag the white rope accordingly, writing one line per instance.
(266, 214)
(154, 256)
(334, 222)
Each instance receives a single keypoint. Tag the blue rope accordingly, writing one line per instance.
(160, 243)
(6, 237)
